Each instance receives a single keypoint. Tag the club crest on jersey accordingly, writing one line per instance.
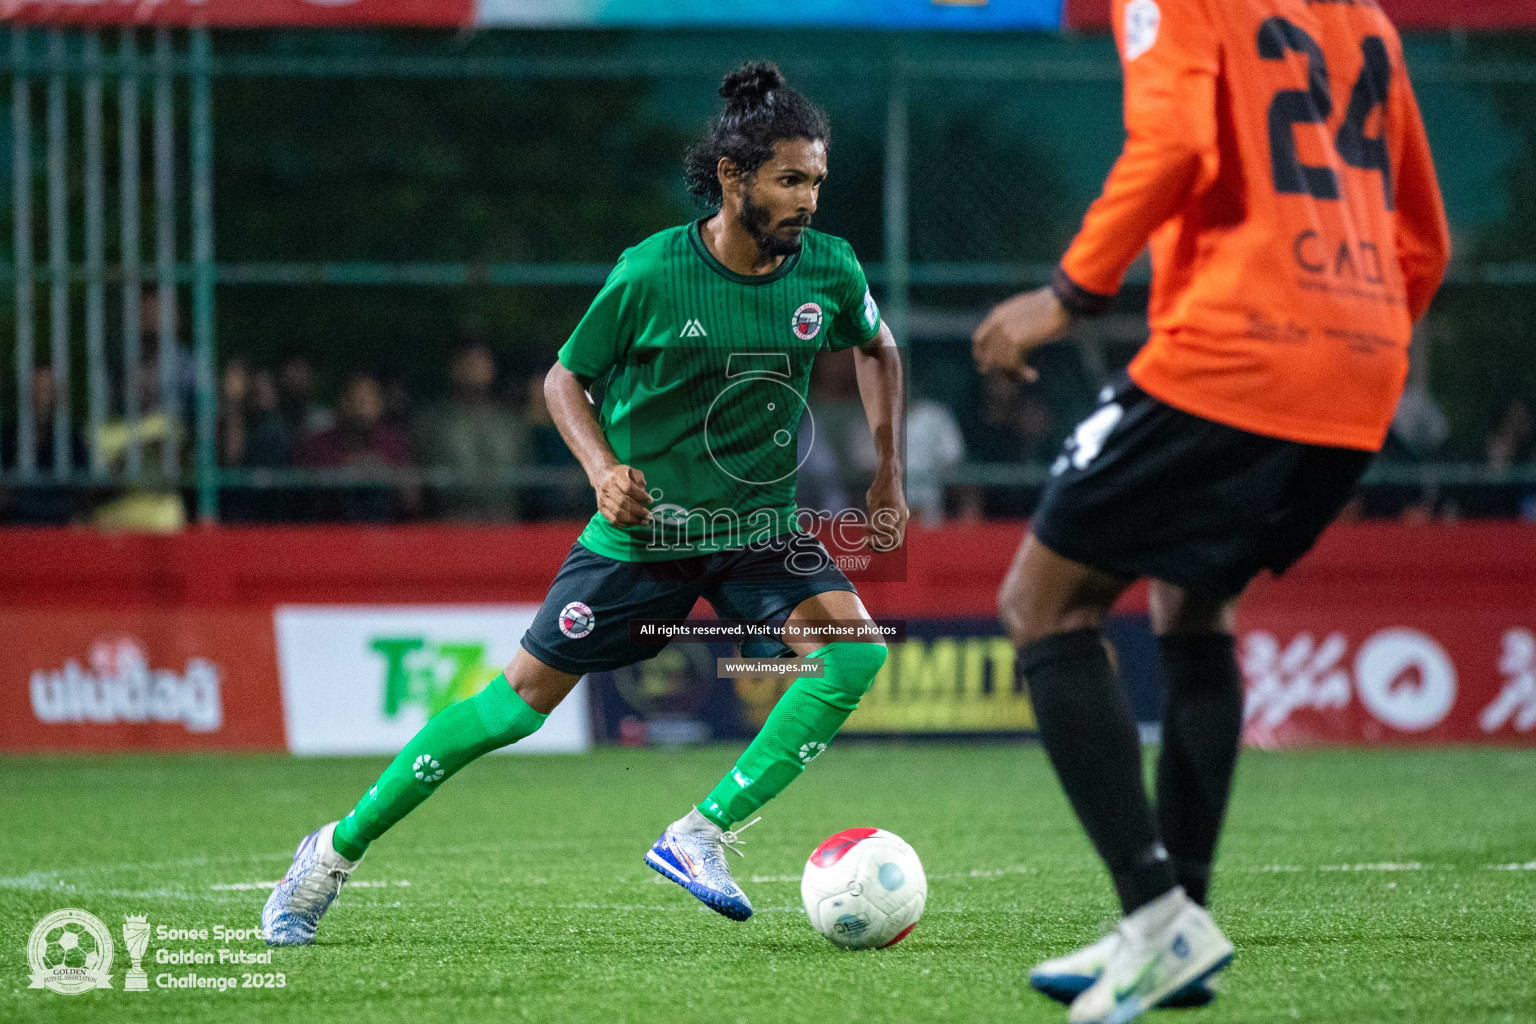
(807, 321)
(576, 620)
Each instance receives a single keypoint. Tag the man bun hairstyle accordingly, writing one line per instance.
(760, 110)
(752, 82)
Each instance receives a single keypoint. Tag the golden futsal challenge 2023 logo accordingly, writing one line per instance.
(71, 952)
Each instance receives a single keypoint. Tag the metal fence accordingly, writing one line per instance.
(56, 59)
(105, 85)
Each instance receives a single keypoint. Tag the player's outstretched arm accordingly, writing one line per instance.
(621, 494)
(883, 391)
(1171, 62)
(1016, 328)
(1171, 65)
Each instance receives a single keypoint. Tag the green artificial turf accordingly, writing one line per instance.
(1358, 886)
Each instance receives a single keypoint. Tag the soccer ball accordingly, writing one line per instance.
(70, 945)
(864, 888)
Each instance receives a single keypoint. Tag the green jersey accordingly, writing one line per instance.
(704, 374)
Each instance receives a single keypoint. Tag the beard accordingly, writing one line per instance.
(756, 220)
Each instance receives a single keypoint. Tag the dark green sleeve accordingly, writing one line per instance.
(599, 342)
(858, 318)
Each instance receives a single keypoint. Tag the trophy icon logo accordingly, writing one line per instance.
(136, 938)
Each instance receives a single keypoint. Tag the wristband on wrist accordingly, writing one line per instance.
(1079, 300)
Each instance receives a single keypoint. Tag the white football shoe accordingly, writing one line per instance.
(314, 880)
(1166, 945)
(1064, 978)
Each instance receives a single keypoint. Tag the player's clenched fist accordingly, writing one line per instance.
(621, 496)
(887, 527)
(1016, 328)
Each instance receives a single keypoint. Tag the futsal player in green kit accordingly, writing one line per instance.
(700, 345)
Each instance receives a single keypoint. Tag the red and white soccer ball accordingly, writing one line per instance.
(864, 888)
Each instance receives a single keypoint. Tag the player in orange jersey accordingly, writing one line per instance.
(1277, 165)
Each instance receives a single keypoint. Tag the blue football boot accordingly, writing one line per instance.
(691, 853)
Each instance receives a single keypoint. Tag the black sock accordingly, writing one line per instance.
(1202, 729)
(1090, 736)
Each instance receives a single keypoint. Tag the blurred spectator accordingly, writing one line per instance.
(1419, 427)
(368, 448)
(268, 441)
(144, 379)
(818, 482)
(41, 504)
(296, 400)
(1514, 436)
(934, 447)
(397, 402)
(152, 499)
(476, 437)
(1510, 449)
(1013, 424)
(253, 435)
(252, 432)
(553, 501)
(830, 478)
(183, 370)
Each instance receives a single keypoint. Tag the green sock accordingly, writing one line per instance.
(798, 728)
(454, 737)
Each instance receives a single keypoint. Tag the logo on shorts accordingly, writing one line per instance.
(576, 620)
(807, 321)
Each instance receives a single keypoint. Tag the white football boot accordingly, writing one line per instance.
(314, 880)
(1166, 945)
(1064, 978)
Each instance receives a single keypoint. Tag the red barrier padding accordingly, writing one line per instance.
(139, 679)
(1384, 634)
(273, 565)
(950, 571)
(1396, 634)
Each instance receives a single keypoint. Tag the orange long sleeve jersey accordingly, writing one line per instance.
(1276, 162)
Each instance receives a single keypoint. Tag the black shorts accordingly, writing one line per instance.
(1144, 489)
(583, 625)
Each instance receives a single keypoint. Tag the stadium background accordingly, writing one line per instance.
(228, 547)
(318, 283)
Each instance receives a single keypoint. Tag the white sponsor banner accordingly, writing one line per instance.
(362, 679)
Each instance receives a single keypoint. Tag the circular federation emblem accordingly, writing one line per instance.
(807, 321)
(70, 951)
(576, 620)
(428, 769)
